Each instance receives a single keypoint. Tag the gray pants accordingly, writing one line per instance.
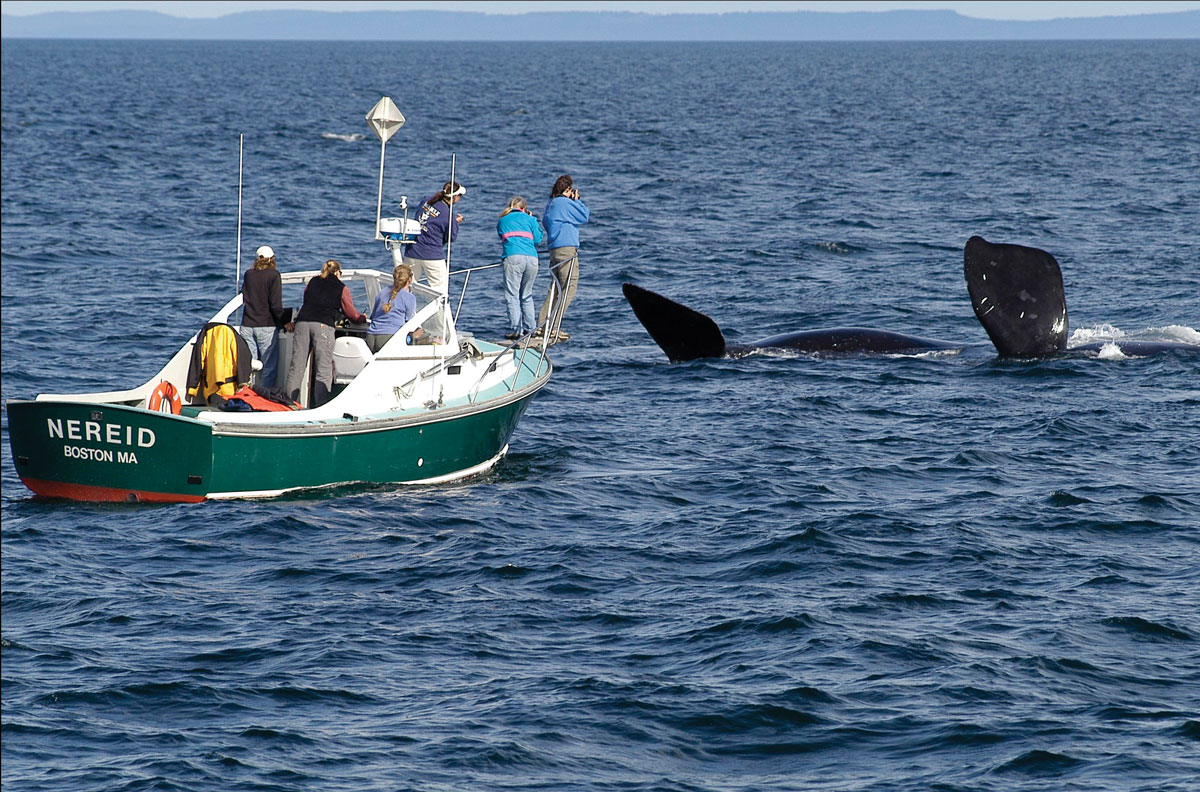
(564, 265)
(375, 341)
(318, 338)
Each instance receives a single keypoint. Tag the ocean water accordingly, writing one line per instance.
(946, 572)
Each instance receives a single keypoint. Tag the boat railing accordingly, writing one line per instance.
(559, 307)
(547, 330)
(408, 388)
(550, 327)
(467, 281)
(524, 342)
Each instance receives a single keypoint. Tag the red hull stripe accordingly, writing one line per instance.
(82, 492)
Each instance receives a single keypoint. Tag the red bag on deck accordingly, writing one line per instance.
(260, 403)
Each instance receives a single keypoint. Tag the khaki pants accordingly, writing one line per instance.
(564, 265)
(436, 272)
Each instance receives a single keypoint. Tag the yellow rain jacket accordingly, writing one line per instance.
(220, 363)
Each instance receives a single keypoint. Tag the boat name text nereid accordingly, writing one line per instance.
(110, 433)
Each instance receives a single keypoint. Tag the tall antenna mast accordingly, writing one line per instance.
(237, 282)
(450, 222)
(384, 119)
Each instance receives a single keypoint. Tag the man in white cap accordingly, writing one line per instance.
(262, 312)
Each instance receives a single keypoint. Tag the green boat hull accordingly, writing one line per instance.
(110, 452)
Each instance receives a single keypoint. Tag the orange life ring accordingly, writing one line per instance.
(165, 399)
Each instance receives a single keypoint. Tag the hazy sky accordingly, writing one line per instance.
(1036, 9)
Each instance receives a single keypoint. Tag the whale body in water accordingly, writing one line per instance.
(1016, 292)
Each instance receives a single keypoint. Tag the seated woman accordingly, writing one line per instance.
(324, 297)
(392, 309)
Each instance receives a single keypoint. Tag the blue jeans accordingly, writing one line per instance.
(519, 274)
(264, 345)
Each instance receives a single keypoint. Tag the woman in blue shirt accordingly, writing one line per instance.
(563, 216)
(520, 233)
(393, 308)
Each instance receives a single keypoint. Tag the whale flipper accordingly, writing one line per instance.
(1017, 294)
(682, 333)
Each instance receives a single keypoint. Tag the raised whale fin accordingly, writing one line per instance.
(682, 333)
(1017, 294)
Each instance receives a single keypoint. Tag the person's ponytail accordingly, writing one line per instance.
(401, 275)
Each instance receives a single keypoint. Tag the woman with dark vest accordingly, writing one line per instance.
(325, 298)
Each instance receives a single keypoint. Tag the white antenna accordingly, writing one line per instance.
(384, 119)
(237, 283)
(450, 220)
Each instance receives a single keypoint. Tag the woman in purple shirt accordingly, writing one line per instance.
(427, 254)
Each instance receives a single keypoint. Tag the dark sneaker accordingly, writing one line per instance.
(512, 336)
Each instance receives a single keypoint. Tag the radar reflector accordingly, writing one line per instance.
(385, 118)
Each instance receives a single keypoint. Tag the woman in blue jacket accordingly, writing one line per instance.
(564, 214)
(520, 233)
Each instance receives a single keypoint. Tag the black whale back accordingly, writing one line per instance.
(685, 334)
(1017, 294)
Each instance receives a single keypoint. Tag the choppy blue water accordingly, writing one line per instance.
(939, 573)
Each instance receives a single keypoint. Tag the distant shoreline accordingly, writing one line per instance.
(612, 26)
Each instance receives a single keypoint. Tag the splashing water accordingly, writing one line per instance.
(1090, 335)
(1111, 351)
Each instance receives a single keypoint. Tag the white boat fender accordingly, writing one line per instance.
(469, 346)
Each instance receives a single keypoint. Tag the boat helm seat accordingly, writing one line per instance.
(350, 355)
